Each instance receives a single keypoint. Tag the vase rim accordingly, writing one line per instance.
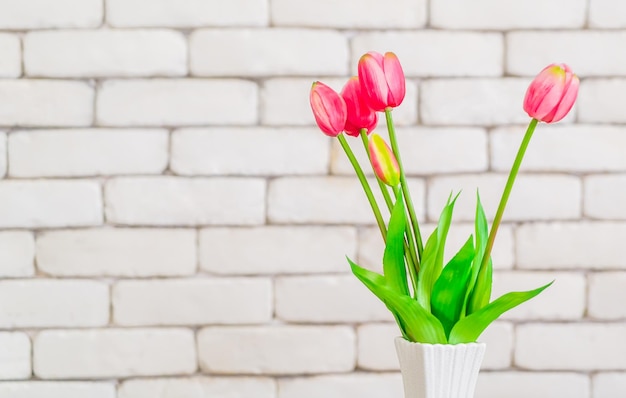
(405, 341)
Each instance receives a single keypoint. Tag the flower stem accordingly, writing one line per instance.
(383, 187)
(409, 250)
(405, 188)
(507, 191)
(365, 185)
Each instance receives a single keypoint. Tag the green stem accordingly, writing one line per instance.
(405, 188)
(409, 250)
(383, 187)
(365, 185)
(507, 190)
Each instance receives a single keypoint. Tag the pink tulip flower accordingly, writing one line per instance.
(382, 80)
(360, 116)
(328, 108)
(552, 94)
(384, 162)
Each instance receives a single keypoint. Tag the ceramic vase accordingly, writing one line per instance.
(439, 370)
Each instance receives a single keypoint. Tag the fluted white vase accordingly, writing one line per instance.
(439, 370)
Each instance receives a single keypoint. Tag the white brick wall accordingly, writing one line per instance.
(174, 225)
(97, 53)
(198, 387)
(102, 354)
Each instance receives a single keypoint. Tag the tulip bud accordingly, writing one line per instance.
(382, 80)
(328, 108)
(384, 162)
(552, 94)
(360, 116)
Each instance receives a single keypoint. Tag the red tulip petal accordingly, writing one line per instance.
(373, 82)
(395, 79)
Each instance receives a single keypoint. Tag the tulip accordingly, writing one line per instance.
(382, 80)
(360, 116)
(328, 108)
(552, 93)
(384, 162)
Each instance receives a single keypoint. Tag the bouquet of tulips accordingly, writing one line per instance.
(431, 303)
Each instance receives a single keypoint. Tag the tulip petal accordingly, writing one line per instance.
(394, 76)
(373, 82)
(383, 160)
(568, 100)
(360, 115)
(328, 108)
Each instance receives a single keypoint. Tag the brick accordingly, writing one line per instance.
(44, 153)
(603, 348)
(530, 52)
(607, 295)
(15, 356)
(532, 384)
(192, 302)
(480, 54)
(426, 151)
(371, 247)
(472, 101)
(301, 250)
(325, 53)
(182, 201)
(17, 254)
(590, 109)
(286, 102)
(100, 53)
(186, 13)
(534, 197)
(605, 385)
(58, 103)
(117, 252)
(42, 14)
(86, 354)
(567, 148)
(198, 387)
(46, 204)
(283, 350)
(53, 389)
(260, 151)
(376, 348)
(564, 300)
(499, 339)
(327, 299)
(315, 200)
(3, 154)
(330, 14)
(181, 102)
(11, 62)
(586, 245)
(600, 194)
(52, 303)
(607, 14)
(364, 385)
(507, 15)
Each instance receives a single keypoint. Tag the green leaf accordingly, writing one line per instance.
(481, 295)
(468, 329)
(393, 259)
(449, 291)
(418, 325)
(432, 256)
(483, 292)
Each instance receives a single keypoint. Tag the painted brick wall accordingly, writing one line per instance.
(173, 225)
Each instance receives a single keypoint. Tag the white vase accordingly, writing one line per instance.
(439, 370)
